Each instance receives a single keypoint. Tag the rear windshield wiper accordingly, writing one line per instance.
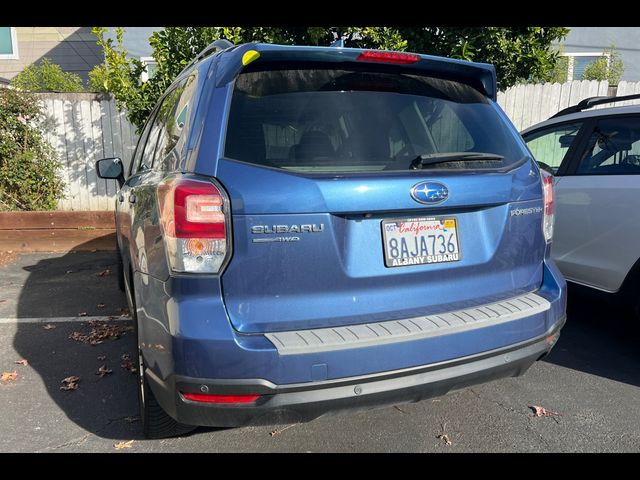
(434, 158)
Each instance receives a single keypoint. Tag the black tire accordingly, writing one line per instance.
(630, 291)
(156, 423)
(120, 270)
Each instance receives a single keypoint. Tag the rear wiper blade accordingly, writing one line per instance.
(434, 158)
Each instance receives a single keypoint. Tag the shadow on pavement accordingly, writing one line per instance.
(66, 285)
(600, 337)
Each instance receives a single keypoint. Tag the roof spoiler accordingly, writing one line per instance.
(592, 102)
(480, 76)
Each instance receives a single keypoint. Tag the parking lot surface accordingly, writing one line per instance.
(50, 303)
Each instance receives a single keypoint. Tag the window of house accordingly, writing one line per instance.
(579, 61)
(8, 43)
(150, 67)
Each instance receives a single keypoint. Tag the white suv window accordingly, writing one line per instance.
(613, 148)
(550, 146)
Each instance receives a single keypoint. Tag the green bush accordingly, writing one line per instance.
(610, 69)
(98, 79)
(47, 77)
(560, 71)
(29, 178)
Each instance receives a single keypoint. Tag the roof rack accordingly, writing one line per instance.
(218, 45)
(592, 102)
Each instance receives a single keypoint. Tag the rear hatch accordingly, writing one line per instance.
(366, 192)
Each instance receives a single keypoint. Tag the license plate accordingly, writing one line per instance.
(417, 241)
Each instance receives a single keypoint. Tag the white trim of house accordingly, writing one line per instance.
(14, 47)
(144, 76)
(572, 55)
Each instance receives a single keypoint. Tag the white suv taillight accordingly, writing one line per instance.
(193, 218)
(547, 193)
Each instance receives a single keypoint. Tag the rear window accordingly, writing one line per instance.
(340, 120)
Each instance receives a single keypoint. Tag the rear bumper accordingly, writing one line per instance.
(293, 403)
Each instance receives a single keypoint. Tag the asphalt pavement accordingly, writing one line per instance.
(591, 382)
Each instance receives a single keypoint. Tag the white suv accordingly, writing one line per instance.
(595, 158)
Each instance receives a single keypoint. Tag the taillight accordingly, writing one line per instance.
(193, 218)
(388, 57)
(547, 192)
(211, 398)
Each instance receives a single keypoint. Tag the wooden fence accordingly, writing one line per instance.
(57, 231)
(84, 127)
(529, 104)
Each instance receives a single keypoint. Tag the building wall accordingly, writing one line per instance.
(135, 39)
(596, 39)
(73, 48)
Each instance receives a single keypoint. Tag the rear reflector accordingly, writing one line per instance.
(209, 398)
(552, 339)
(388, 57)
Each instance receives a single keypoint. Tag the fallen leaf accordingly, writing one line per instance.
(280, 430)
(102, 358)
(103, 370)
(127, 364)
(48, 326)
(121, 445)
(131, 419)
(70, 383)
(124, 312)
(542, 412)
(104, 273)
(82, 314)
(94, 250)
(100, 305)
(101, 331)
(8, 376)
(22, 362)
(69, 271)
(443, 436)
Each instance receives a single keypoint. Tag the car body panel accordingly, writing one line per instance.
(180, 340)
(596, 216)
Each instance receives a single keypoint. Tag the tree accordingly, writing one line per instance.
(29, 169)
(47, 77)
(98, 79)
(608, 67)
(518, 53)
(560, 71)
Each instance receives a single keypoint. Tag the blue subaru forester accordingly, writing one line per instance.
(306, 230)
